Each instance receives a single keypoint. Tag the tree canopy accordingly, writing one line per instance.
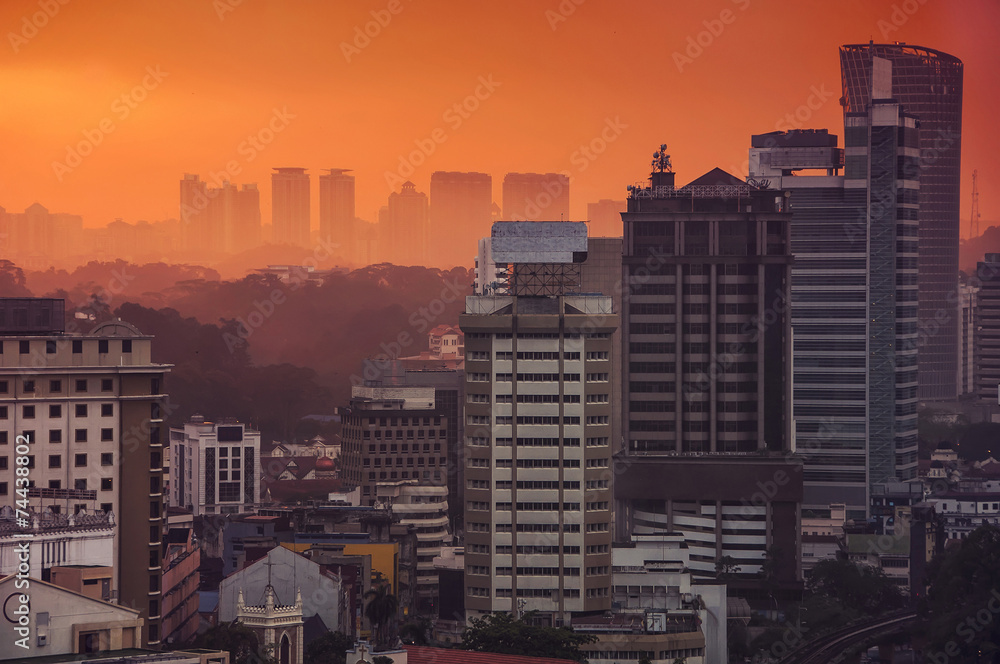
(863, 590)
(502, 633)
(239, 641)
(961, 613)
(331, 648)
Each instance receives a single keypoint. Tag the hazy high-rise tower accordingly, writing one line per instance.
(461, 213)
(536, 197)
(403, 227)
(928, 85)
(336, 209)
(290, 206)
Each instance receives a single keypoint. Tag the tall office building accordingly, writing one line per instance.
(290, 216)
(968, 321)
(246, 233)
(461, 213)
(852, 408)
(928, 85)
(403, 227)
(91, 408)
(336, 210)
(707, 396)
(536, 196)
(538, 431)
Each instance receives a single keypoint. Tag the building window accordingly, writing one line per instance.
(55, 386)
(80, 461)
(3, 438)
(3, 412)
(3, 463)
(55, 435)
(81, 385)
(55, 410)
(126, 345)
(28, 386)
(107, 434)
(50, 347)
(4, 387)
(107, 458)
(80, 484)
(107, 410)
(25, 347)
(102, 346)
(107, 484)
(81, 410)
(107, 385)
(28, 412)
(80, 436)
(55, 461)
(77, 346)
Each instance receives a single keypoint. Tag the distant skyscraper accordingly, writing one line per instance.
(220, 219)
(605, 217)
(461, 214)
(928, 85)
(38, 237)
(336, 210)
(246, 226)
(290, 206)
(536, 197)
(403, 227)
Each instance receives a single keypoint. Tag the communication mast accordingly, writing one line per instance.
(974, 222)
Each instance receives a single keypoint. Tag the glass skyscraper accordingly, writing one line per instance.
(927, 84)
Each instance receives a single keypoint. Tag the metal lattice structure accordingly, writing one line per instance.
(538, 279)
(693, 191)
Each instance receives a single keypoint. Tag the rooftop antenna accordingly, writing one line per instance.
(661, 160)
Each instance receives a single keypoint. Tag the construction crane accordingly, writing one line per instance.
(974, 221)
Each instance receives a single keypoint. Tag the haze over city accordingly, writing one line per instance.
(231, 90)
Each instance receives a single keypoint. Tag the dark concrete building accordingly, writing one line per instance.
(707, 371)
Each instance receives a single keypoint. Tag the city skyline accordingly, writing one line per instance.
(478, 118)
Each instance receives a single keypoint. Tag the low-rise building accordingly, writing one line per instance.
(181, 560)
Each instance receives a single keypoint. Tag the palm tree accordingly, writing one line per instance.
(381, 613)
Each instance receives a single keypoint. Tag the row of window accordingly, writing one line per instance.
(51, 346)
(56, 386)
(55, 410)
(55, 436)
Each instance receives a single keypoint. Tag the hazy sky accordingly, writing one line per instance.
(149, 90)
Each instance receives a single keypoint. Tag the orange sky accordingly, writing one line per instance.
(226, 65)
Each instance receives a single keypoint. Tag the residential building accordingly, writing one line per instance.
(927, 84)
(403, 227)
(336, 210)
(538, 388)
(460, 213)
(38, 238)
(94, 581)
(215, 467)
(91, 406)
(708, 357)
(218, 220)
(290, 216)
(536, 196)
(58, 540)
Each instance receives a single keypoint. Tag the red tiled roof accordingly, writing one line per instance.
(428, 655)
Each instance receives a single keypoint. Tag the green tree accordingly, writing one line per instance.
(726, 568)
(862, 589)
(381, 613)
(331, 648)
(502, 633)
(963, 601)
(239, 641)
(381, 659)
(416, 632)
